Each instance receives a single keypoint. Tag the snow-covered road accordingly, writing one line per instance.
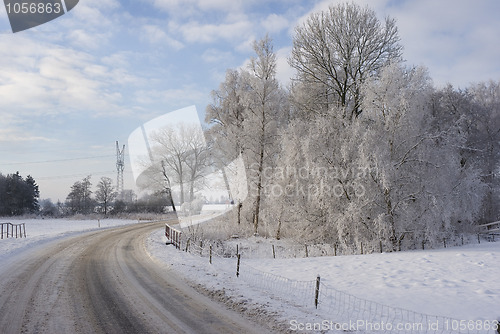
(104, 281)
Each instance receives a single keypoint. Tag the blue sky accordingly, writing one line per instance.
(71, 87)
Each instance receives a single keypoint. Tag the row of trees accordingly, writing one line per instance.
(18, 195)
(360, 148)
(106, 200)
(80, 199)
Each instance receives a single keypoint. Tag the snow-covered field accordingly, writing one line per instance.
(461, 282)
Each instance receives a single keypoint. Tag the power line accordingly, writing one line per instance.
(58, 160)
(73, 175)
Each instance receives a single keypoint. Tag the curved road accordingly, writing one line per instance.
(105, 282)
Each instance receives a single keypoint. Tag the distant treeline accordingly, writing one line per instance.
(18, 195)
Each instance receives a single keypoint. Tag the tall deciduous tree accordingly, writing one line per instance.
(485, 139)
(265, 102)
(227, 115)
(247, 111)
(335, 51)
(79, 200)
(105, 193)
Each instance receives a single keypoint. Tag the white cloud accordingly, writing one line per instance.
(155, 35)
(92, 15)
(185, 8)
(40, 78)
(171, 98)
(221, 5)
(246, 46)
(16, 135)
(275, 23)
(195, 32)
(216, 56)
(118, 59)
(171, 4)
(85, 40)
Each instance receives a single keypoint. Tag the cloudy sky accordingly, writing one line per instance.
(72, 87)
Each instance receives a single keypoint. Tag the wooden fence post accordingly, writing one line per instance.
(316, 294)
(444, 242)
(187, 244)
(210, 260)
(238, 266)
(335, 249)
(274, 253)
(381, 250)
(307, 253)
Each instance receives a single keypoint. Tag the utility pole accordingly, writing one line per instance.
(120, 166)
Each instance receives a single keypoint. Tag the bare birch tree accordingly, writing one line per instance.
(265, 102)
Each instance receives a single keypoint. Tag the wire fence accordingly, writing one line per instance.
(368, 316)
(223, 249)
(346, 311)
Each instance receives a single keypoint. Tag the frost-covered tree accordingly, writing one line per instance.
(48, 208)
(417, 187)
(181, 160)
(335, 51)
(197, 160)
(171, 148)
(105, 194)
(476, 113)
(79, 200)
(247, 110)
(265, 103)
(318, 174)
(226, 116)
(484, 140)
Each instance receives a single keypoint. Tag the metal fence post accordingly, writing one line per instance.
(316, 294)
(238, 266)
